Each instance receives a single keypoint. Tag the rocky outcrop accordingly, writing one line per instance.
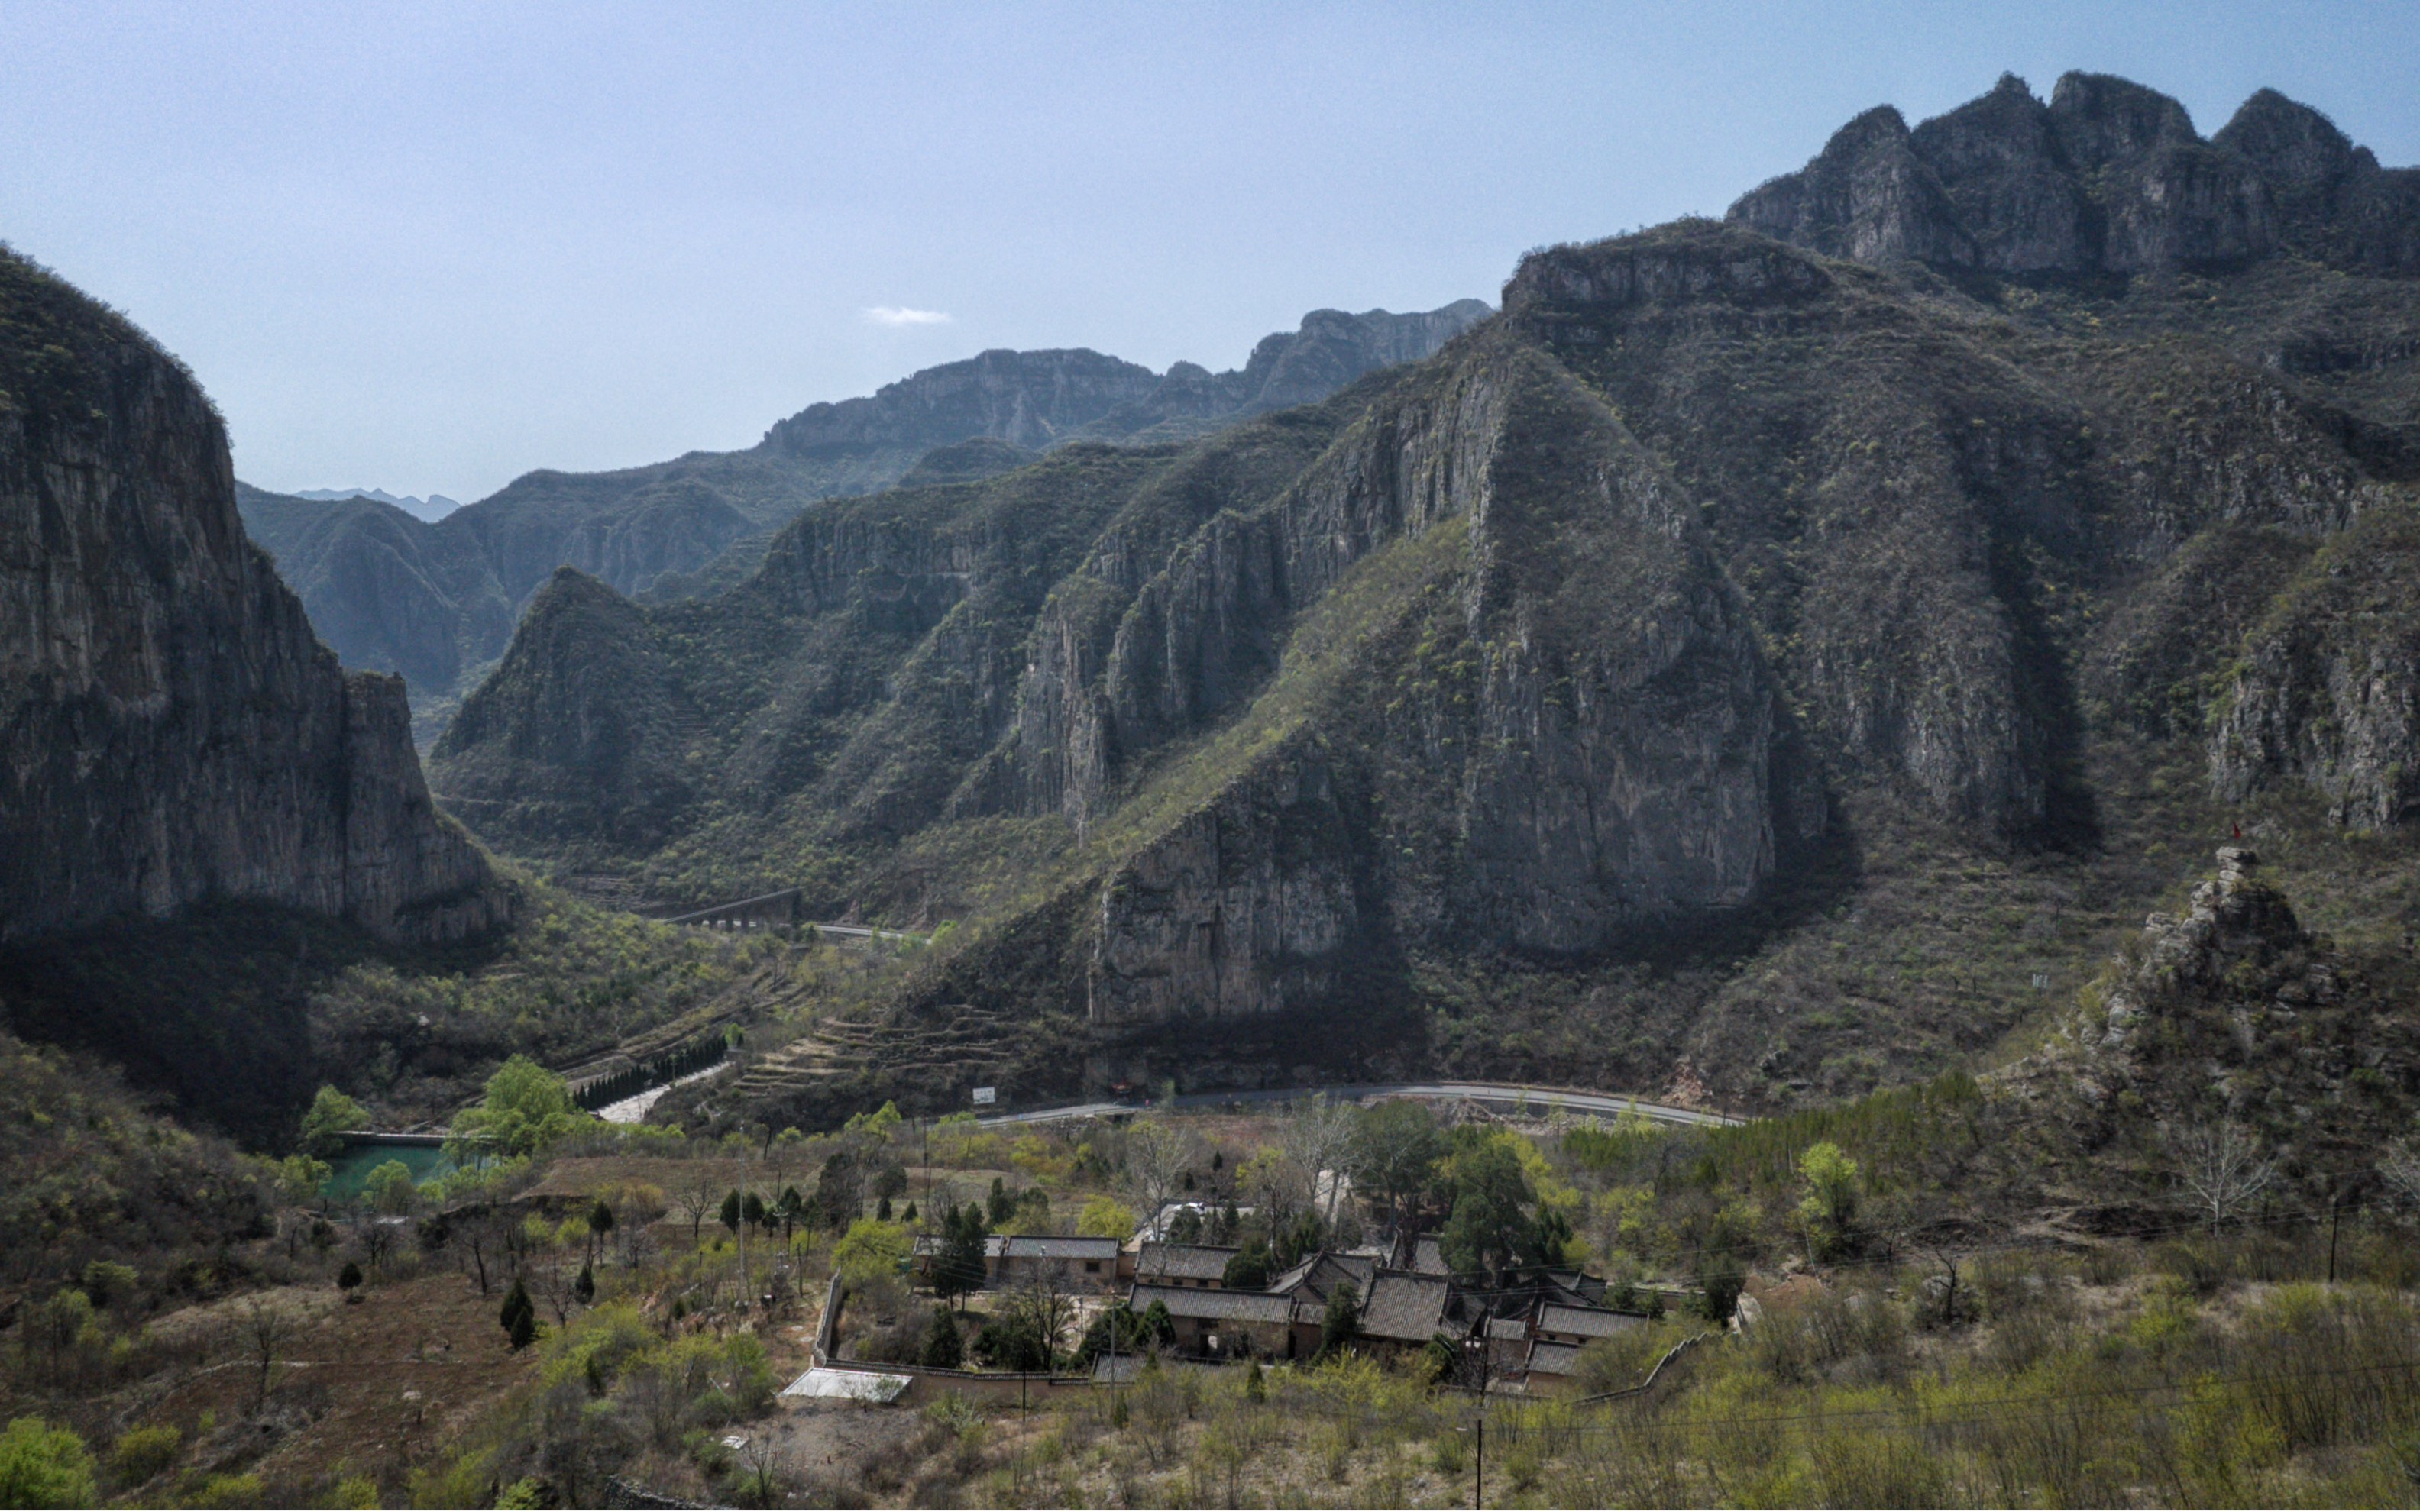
(2236, 920)
(1242, 910)
(2107, 176)
(172, 730)
(2325, 691)
(2225, 1023)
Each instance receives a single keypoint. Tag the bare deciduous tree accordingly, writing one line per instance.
(1158, 1153)
(558, 1285)
(1318, 1139)
(765, 1462)
(2223, 1168)
(699, 1196)
(2400, 1167)
(266, 1330)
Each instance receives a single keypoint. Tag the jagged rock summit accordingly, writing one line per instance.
(2107, 176)
(170, 729)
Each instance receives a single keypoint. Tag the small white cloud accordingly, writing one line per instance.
(893, 314)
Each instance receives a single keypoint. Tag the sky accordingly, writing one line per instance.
(431, 247)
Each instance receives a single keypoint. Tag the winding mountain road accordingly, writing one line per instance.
(1506, 1094)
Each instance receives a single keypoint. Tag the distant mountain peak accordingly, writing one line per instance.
(2107, 176)
(1041, 399)
(432, 509)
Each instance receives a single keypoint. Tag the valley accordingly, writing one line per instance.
(1781, 870)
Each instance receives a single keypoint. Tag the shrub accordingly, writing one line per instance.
(1447, 1453)
(41, 1466)
(107, 1282)
(143, 1453)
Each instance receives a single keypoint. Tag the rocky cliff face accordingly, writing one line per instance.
(172, 731)
(2325, 691)
(437, 602)
(2107, 176)
(1637, 618)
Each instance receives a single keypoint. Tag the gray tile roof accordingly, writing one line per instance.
(1057, 1247)
(1548, 1358)
(1182, 1262)
(1320, 1273)
(1507, 1328)
(931, 1244)
(1588, 1322)
(1213, 1305)
(1403, 1307)
(1427, 1257)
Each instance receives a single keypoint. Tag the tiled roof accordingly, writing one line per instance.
(1588, 1322)
(1403, 1307)
(1548, 1358)
(931, 1244)
(1057, 1247)
(1507, 1328)
(1427, 1257)
(1213, 1305)
(1321, 1273)
(1184, 1263)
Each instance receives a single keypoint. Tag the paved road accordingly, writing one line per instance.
(1504, 1094)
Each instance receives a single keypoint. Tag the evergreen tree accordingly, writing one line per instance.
(1490, 1223)
(586, 1288)
(518, 1315)
(943, 1349)
(1341, 1320)
(1248, 1269)
(960, 1267)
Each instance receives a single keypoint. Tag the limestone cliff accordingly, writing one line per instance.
(2325, 689)
(1603, 650)
(172, 731)
(2107, 176)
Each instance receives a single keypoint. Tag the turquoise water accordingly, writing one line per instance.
(349, 1170)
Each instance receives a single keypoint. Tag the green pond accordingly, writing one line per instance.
(350, 1171)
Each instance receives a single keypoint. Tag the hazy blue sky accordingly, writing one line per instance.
(428, 247)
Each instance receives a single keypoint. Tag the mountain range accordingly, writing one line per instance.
(436, 602)
(1604, 696)
(432, 509)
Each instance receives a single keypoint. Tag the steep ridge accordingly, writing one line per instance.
(2108, 177)
(436, 602)
(1567, 702)
(172, 731)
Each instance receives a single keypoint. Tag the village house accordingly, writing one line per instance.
(1067, 1260)
(1198, 1266)
(1219, 1323)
